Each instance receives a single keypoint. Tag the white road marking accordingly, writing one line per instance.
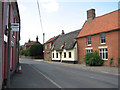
(46, 77)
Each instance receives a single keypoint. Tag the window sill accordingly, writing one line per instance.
(102, 43)
(89, 45)
(105, 59)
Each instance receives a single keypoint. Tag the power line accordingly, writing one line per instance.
(40, 15)
(41, 21)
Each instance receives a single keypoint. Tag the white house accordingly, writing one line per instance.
(65, 48)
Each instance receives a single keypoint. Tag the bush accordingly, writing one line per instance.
(119, 60)
(93, 59)
(36, 50)
(25, 52)
(111, 61)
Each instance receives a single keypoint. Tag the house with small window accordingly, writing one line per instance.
(48, 47)
(102, 34)
(64, 48)
(30, 43)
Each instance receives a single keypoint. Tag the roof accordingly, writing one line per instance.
(100, 24)
(31, 43)
(52, 39)
(68, 40)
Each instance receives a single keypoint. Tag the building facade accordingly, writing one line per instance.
(48, 47)
(0, 45)
(30, 43)
(102, 34)
(10, 14)
(64, 48)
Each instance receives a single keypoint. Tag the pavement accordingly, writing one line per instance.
(104, 69)
(30, 78)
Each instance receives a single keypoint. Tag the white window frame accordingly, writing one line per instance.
(53, 55)
(101, 37)
(89, 50)
(57, 56)
(69, 54)
(103, 52)
(88, 39)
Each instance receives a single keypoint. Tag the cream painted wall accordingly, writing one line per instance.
(73, 54)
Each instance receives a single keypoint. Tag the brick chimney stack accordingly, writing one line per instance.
(63, 32)
(91, 15)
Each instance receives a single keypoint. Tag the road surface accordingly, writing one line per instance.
(61, 76)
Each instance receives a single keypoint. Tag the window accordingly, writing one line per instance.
(53, 55)
(102, 38)
(103, 53)
(50, 46)
(89, 40)
(64, 54)
(45, 46)
(89, 51)
(56, 55)
(69, 54)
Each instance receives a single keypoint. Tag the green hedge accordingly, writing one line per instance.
(25, 52)
(93, 59)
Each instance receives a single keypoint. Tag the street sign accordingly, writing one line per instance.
(5, 38)
(15, 27)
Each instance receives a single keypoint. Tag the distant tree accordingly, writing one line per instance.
(36, 50)
(25, 52)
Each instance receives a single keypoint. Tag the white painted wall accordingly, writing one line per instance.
(73, 54)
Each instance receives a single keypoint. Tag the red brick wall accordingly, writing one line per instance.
(47, 56)
(111, 42)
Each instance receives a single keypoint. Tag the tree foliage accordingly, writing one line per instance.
(36, 50)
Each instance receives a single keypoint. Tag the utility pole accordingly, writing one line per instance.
(8, 53)
(43, 38)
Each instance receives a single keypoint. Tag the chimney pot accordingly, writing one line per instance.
(63, 32)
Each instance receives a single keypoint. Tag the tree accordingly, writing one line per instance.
(36, 50)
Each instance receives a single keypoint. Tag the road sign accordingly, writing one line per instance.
(15, 27)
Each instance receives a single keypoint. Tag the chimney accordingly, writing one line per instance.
(63, 32)
(90, 15)
(37, 39)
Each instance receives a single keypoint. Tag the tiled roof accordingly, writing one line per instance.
(31, 43)
(51, 39)
(67, 39)
(100, 24)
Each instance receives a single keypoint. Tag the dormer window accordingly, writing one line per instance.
(102, 38)
(89, 40)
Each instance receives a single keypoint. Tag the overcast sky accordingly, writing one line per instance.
(58, 15)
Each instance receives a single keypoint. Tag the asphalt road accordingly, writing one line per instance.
(62, 76)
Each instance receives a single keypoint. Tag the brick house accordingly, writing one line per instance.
(102, 34)
(65, 48)
(9, 13)
(48, 47)
(30, 43)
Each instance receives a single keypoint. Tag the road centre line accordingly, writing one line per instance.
(46, 77)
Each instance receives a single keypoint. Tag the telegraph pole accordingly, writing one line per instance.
(8, 53)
